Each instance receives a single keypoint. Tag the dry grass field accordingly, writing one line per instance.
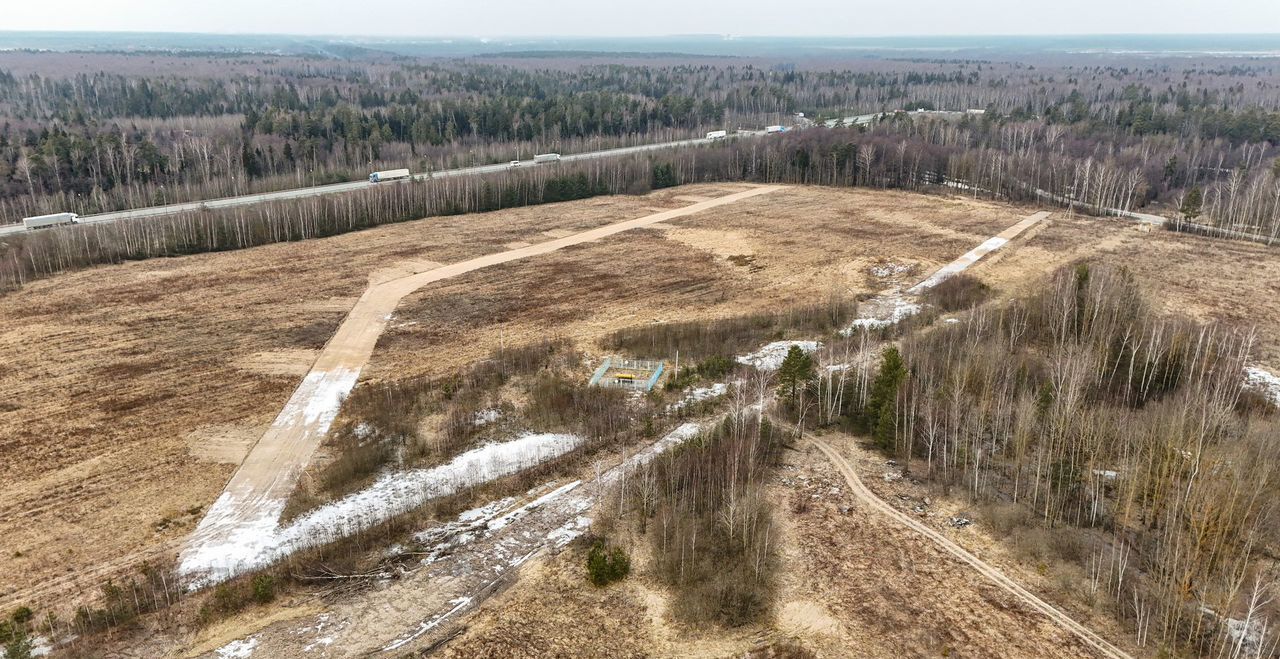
(128, 393)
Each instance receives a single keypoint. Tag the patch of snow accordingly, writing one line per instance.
(700, 394)
(238, 649)
(485, 417)
(258, 544)
(1248, 635)
(1264, 382)
(770, 357)
(1106, 473)
(41, 646)
(884, 270)
(427, 626)
(571, 529)
(833, 368)
(951, 320)
(883, 311)
(362, 430)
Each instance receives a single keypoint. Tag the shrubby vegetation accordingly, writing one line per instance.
(606, 564)
(1082, 408)
(703, 509)
(714, 342)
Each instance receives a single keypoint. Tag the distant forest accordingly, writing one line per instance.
(1196, 137)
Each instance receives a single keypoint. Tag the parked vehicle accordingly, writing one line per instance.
(389, 175)
(717, 134)
(515, 163)
(546, 157)
(53, 220)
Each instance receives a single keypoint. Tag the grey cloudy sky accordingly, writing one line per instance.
(647, 17)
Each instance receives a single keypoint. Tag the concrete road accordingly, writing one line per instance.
(334, 188)
(236, 532)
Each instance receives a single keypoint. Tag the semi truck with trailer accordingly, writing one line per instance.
(546, 157)
(389, 175)
(717, 134)
(773, 129)
(53, 220)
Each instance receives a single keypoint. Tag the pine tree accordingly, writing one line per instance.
(1191, 204)
(797, 370)
(878, 417)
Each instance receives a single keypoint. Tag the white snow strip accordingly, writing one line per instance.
(1263, 382)
(258, 544)
(770, 357)
(239, 649)
(427, 626)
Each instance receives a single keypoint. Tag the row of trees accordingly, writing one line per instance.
(1035, 164)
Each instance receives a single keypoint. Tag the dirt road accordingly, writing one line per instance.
(245, 516)
(865, 495)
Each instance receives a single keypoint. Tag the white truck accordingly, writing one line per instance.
(389, 175)
(546, 157)
(53, 220)
(773, 129)
(717, 134)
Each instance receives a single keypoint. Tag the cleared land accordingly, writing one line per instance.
(154, 373)
(254, 499)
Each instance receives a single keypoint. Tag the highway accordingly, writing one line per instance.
(335, 188)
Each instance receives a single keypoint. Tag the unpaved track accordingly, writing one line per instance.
(861, 492)
(250, 506)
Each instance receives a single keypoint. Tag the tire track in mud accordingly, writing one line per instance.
(866, 496)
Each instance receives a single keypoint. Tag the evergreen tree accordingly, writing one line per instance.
(796, 371)
(664, 176)
(1191, 204)
(878, 416)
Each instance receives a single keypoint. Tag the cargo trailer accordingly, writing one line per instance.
(389, 175)
(53, 220)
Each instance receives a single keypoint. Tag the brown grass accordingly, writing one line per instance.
(133, 359)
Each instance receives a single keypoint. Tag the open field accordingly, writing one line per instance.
(165, 372)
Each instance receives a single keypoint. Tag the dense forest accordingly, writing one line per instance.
(96, 141)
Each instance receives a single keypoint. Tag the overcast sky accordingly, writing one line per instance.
(646, 17)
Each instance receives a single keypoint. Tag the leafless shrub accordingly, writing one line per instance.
(959, 292)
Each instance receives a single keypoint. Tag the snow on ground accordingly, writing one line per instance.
(885, 270)
(770, 357)
(258, 544)
(238, 649)
(424, 627)
(883, 311)
(485, 417)
(1264, 382)
(462, 560)
(700, 394)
